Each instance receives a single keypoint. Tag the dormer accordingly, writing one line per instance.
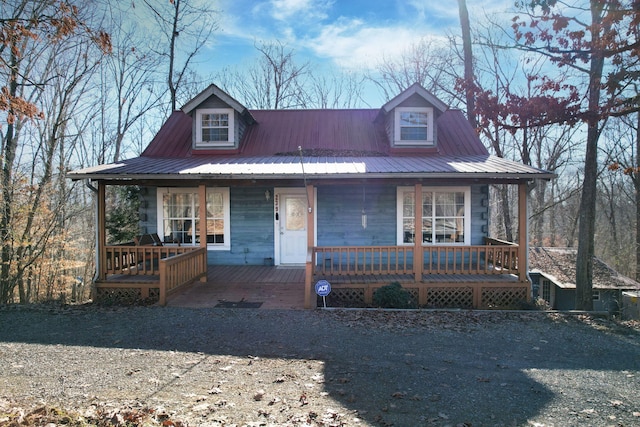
(410, 119)
(219, 121)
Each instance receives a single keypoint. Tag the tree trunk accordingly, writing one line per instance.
(6, 282)
(636, 183)
(468, 62)
(586, 230)
(172, 55)
(507, 222)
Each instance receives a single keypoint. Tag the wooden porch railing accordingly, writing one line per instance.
(138, 260)
(496, 257)
(357, 260)
(503, 255)
(492, 258)
(181, 269)
(137, 270)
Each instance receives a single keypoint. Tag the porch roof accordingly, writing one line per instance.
(290, 167)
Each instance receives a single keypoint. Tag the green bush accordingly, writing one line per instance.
(392, 296)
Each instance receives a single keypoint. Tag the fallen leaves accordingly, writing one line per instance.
(101, 417)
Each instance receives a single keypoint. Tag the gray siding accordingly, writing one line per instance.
(148, 210)
(213, 102)
(251, 228)
(479, 213)
(340, 216)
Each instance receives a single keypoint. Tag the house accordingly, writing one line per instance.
(553, 275)
(358, 197)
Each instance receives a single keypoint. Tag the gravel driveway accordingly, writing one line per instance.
(225, 367)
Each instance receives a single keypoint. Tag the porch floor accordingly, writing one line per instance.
(274, 287)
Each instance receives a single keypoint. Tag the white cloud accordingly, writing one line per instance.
(352, 45)
(288, 10)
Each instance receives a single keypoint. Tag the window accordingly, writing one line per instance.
(596, 295)
(546, 290)
(445, 215)
(179, 216)
(215, 127)
(413, 126)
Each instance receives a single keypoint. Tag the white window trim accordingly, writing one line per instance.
(430, 126)
(467, 214)
(199, 143)
(227, 214)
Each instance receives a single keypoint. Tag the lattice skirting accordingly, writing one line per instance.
(450, 297)
(503, 297)
(415, 295)
(344, 297)
(125, 296)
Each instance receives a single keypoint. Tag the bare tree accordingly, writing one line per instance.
(624, 161)
(425, 62)
(274, 81)
(465, 27)
(128, 82)
(186, 26)
(336, 90)
(598, 40)
(47, 56)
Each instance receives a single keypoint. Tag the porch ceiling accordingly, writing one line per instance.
(290, 167)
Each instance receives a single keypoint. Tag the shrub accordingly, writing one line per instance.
(392, 296)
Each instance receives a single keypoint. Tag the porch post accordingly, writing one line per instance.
(523, 234)
(308, 291)
(418, 253)
(202, 196)
(102, 235)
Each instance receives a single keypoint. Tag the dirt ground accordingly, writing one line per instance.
(88, 365)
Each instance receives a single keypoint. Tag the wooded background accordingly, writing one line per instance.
(556, 88)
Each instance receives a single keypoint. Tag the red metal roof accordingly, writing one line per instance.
(173, 139)
(283, 131)
(336, 143)
(278, 167)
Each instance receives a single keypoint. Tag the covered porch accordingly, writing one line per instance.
(488, 275)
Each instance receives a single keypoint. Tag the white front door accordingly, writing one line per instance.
(293, 228)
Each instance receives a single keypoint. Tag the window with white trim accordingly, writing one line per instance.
(446, 213)
(215, 127)
(179, 216)
(413, 126)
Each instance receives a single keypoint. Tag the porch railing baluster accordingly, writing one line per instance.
(494, 258)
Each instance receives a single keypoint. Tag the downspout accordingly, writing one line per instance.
(97, 255)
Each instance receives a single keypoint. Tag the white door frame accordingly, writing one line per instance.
(278, 192)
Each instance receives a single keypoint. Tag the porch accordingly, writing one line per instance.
(266, 287)
(482, 276)
(485, 276)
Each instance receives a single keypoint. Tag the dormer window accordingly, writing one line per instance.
(414, 126)
(215, 127)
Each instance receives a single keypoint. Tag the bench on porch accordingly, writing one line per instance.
(482, 276)
(147, 240)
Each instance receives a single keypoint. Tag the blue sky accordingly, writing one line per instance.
(348, 34)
